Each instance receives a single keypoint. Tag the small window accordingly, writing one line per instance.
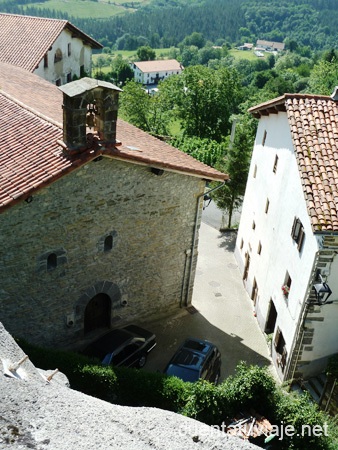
(259, 250)
(108, 243)
(58, 56)
(82, 71)
(287, 285)
(242, 243)
(254, 292)
(279, 343)
(52, 261)
(58, 82)
(45, 60)
(267, 206)
(69, 77)
(69, 49)
(275, 164)
(297, 233)
(253, 225)
(255, 171)
(264, 138)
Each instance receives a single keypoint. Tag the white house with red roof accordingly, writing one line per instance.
(99, 220)
(270, 46)
(287, 245)
(151, 72)
(54, 49)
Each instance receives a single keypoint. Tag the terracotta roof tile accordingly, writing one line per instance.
(24, 40)
(158, 65)
(313, 121)
(30, 156)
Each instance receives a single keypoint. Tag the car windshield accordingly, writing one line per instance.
(186, 357)
(185, 373)
(108, 343)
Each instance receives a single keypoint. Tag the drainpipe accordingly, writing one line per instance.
(192, 254)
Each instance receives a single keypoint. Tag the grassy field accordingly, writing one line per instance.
(160, 53)
(240, 54)
(87, 8)
(128, 55)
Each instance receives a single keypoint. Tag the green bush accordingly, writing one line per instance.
(303, 415)
(142, 388)
(205, 403)
(251, 387)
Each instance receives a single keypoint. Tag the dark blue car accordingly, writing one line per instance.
(196, 359)
(128, 346)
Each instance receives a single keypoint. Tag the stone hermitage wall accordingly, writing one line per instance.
(151, 220)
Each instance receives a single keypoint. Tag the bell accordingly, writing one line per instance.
(91, 119)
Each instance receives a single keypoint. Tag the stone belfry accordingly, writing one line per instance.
(89, 113)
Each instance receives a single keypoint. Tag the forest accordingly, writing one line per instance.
(165, 23)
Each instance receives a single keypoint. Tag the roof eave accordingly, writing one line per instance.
(76, 32)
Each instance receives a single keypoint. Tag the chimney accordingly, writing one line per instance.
(334, 94)
(89, 112)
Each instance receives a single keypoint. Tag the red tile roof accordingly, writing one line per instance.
(24, 40)
(158, 65)
(31, 125)
(313, 122)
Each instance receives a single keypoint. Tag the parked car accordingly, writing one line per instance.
(196, 359)
(128, 346)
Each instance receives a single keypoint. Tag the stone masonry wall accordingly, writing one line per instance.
(150, 219)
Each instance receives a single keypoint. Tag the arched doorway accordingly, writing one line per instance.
(97, 313)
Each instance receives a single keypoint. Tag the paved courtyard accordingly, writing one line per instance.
(222, 311)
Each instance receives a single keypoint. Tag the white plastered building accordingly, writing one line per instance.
(288, 235)
(53, 49)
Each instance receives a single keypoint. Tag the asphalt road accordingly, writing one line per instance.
(222, 311)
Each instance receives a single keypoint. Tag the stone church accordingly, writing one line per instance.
(99, 220)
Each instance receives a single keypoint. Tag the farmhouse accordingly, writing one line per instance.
(99, 220)
(151, 72)
(53, 49)
(270, 46)
(287, 246)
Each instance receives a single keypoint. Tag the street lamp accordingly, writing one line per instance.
(322, 291)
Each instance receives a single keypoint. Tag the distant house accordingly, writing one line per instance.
(245, 47)
(287, 246)
(269, 46)
(54, 49)
(99, 220)
(151, 72)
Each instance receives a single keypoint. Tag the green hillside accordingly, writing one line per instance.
(165, 23)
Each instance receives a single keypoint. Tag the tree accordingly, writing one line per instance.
(205, 150)
(121, 70)
(150, 113)
(146, 53)
(236, 164)
(134, 105)
(195, 38)
(204, 100)
(323, 77)
(189, 56)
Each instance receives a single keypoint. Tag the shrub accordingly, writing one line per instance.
(303, 415)
(142, 388)
(205, 403)
(252, 387)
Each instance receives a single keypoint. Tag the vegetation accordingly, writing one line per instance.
(236, 164)
(165, 23)
(250, 388)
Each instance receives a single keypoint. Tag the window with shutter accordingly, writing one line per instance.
(297, 233)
